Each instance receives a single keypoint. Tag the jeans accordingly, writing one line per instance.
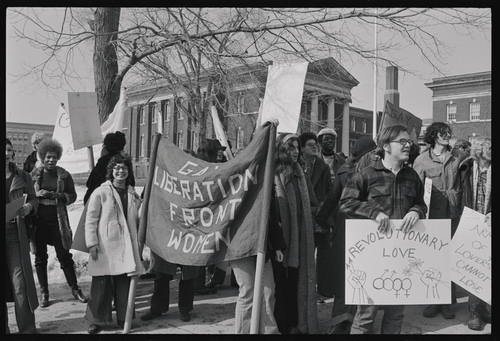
(475, 302)
(244, 271)
(161, 294)
(102, 292)
(365, 317)
(286, 310)
(25, 318)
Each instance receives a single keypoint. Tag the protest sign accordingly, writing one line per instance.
(394, 115)
(398, 268)
(428, 194)
(84, 118)
(14, 206)
(201, 213)
(283, 96)
(471, 255)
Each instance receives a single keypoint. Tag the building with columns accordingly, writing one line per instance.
(325, 103)
(464, 102)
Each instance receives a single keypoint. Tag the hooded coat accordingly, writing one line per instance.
(21, 184)
(107, 225)
(66, 186)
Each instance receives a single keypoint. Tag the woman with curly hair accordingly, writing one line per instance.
(55, 190)
(111, 236)
(294, 206)
(20, 285)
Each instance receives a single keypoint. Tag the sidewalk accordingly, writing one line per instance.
(212, 314)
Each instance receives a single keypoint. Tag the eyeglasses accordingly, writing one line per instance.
(119, 168)
(404, 142)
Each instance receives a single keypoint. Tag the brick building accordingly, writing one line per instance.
(20, 136)
(325, 103)
(464, 102)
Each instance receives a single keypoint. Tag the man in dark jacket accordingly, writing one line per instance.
(403, 199)
(327, 138)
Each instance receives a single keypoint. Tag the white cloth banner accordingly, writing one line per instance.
(283, 96)
(471, 255)
(220, 133)
(398, 268)
(76, 161)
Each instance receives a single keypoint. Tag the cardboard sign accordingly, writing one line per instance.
(394, 115)
(398, 268)
(471, 255)
(14, 206)
(283, 96)
(84, 118)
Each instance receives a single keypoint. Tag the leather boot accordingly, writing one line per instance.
(70, 275)
(41, 273)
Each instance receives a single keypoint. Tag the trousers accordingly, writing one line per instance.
(161, 294)
(244, 272)
(25, 318)
(365, 317)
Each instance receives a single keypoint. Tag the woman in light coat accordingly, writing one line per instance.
(111, 236)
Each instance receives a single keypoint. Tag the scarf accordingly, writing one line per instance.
(299, 239)
(475, 177)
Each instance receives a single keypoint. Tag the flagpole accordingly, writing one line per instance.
(141, 235)
(375, 78)
(261, 253)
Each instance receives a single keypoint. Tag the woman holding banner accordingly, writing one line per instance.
(19, 284)
(294, 200)
(55, 190)
(111, 237)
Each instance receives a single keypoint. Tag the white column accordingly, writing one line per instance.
(346, 127)
(314, 114)
(331, 113)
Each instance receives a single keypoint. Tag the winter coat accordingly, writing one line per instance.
(446, 196)
(320, 179)
(469, 171)
(116, 234)
(22, 184)
(66, 186)
(30, 162)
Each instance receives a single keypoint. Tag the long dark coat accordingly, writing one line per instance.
(21, 184)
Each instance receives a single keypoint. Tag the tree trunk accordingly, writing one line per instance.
(107, 84)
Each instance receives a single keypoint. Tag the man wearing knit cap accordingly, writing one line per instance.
(327, 138)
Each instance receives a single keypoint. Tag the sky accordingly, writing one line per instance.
(32, 102)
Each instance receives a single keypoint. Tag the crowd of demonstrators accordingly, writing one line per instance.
(295, 278)
(342, 314)
(111, 228)
(32, 160)
(113, 144)
(55, 190)
(476, 184)
(440, 164)
(318, 173)
(19, 284)
(361, 199)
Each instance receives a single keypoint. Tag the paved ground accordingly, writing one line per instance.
(212, 314)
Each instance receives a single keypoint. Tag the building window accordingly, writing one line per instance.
(166, 111)
(239, 138)
(353, 124)
(142, 146)
(142, 115)
(181, 109)
(25, 136)
(14, 137)
(451, 112)
(364, 126)
(474, 109)
(9, 135)
(240, 103)
(194, 141)
(180, 139)
(155, 113)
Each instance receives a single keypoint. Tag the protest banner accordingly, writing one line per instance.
(283, 96)
(220, 133)
(394, 115)
(76, 161)
(83, 114)
(398, 268)
(200, 213)
(471, 255)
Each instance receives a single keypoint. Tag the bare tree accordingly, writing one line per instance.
(191, 49)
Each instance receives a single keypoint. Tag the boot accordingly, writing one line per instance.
(41, 273)
(70, 275)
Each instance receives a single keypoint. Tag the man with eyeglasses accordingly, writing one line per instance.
(440, 163)
(319, 174)
(387, 189)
